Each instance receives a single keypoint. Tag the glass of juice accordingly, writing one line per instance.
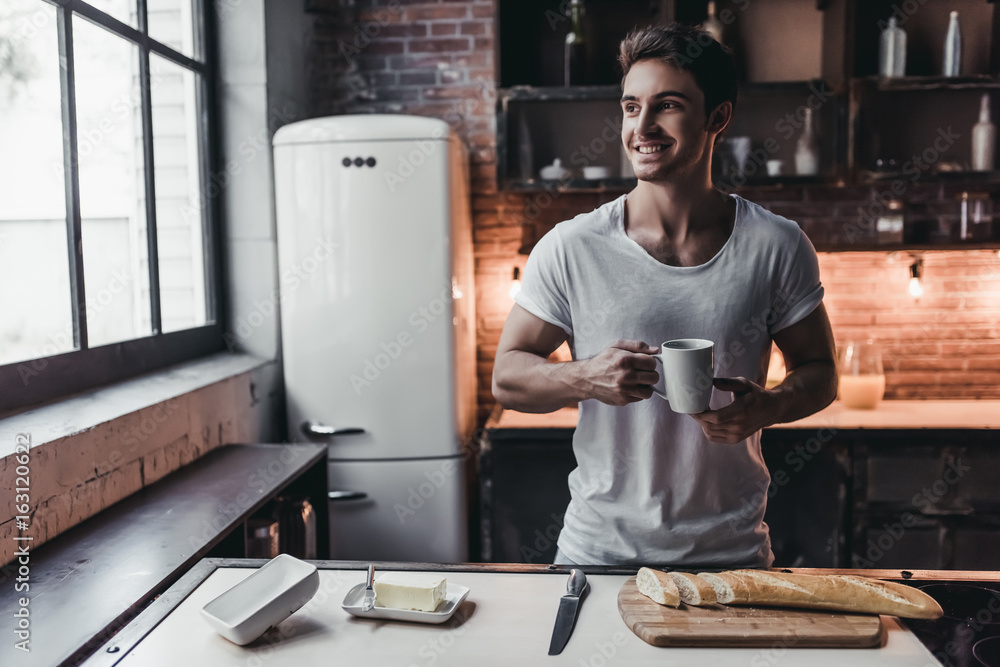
(862, 380)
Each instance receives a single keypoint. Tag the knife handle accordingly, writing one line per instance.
(577, 582)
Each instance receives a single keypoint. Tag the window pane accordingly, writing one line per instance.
(179, 222)
(123, 10)
(170, 22)
(112, 191)
(35, 296)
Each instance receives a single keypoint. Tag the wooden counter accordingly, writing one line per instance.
(888, 415)
(506, 620)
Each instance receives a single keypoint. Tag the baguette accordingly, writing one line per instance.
(693, 591)
(658, 586)
(729, 588)
(848, 593)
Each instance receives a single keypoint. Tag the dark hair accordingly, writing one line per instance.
(686, 48)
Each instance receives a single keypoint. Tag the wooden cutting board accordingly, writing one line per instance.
(733, 626)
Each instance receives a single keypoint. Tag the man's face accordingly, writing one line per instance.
(664, 129)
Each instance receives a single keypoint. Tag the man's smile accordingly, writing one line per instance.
(648, 147)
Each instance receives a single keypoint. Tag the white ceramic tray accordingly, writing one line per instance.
(454, 595)
(264, 599)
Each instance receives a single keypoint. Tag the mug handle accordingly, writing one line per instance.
(663, 378)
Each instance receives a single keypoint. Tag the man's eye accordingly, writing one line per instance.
(630, 108)
(668, 105)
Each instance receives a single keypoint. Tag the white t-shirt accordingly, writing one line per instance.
(649, 487)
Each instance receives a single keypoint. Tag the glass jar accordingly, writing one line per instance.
(862, 379)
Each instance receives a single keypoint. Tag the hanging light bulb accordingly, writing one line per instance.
(916, 271)
(515, 284)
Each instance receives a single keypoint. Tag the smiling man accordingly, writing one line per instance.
(674, 258)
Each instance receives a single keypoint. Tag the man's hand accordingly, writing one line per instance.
(749, 412)
(623, 373)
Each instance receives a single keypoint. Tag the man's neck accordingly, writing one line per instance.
(675, 209)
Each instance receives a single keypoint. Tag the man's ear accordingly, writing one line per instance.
(720, 118)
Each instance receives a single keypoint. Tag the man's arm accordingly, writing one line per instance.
(524, 379)
(810, 385)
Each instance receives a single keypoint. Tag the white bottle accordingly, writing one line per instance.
(984, 139)
(892, 50)
(807, 149)
(712, 25)
(953, 47)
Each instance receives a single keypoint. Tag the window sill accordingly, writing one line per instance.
(86, 411)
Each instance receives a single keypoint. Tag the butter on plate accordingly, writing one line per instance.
(420, 591)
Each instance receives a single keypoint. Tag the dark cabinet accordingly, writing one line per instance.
(524, 494)
(926, 499)
(907, 499)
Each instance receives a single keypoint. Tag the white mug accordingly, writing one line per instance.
(687, 368)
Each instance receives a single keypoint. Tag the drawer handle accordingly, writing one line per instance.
(346, 495)
(321, 430)
(947, 511)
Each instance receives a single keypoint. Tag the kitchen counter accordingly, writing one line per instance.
(507, 619)
(888, 415)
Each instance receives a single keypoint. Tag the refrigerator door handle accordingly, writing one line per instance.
(319, 430)
(346, 495)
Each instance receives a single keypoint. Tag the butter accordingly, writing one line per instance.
(420, 591)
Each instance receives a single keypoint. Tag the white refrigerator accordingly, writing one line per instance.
(378, 326)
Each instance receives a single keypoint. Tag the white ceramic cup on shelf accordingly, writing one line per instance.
(687, 368)
(775, 167)
(596, 173)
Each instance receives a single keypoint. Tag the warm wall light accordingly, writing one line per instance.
(916, 272)
(515, 284)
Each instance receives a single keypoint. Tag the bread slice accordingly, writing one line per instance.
(658, 586)
(835, 592)
(729, 588)
(694, 591)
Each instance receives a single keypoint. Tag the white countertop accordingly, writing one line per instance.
(506, 620)
(888, 415)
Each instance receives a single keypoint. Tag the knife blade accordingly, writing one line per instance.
(569, 605)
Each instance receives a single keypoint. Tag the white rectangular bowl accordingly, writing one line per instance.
(264, 599)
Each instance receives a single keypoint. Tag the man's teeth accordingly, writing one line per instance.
(651, 149)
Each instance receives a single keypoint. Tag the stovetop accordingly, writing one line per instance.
(968, 635)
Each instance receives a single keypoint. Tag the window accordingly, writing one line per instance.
(107, 241)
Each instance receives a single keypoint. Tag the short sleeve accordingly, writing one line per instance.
(798, 290)
(544, 283)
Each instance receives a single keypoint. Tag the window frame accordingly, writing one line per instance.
(28, 383)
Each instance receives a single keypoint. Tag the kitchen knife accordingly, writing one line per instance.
(569, 604)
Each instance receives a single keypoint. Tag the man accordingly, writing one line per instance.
(674, 258)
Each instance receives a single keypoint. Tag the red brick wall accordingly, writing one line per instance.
(945, 344)
(437, 59)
